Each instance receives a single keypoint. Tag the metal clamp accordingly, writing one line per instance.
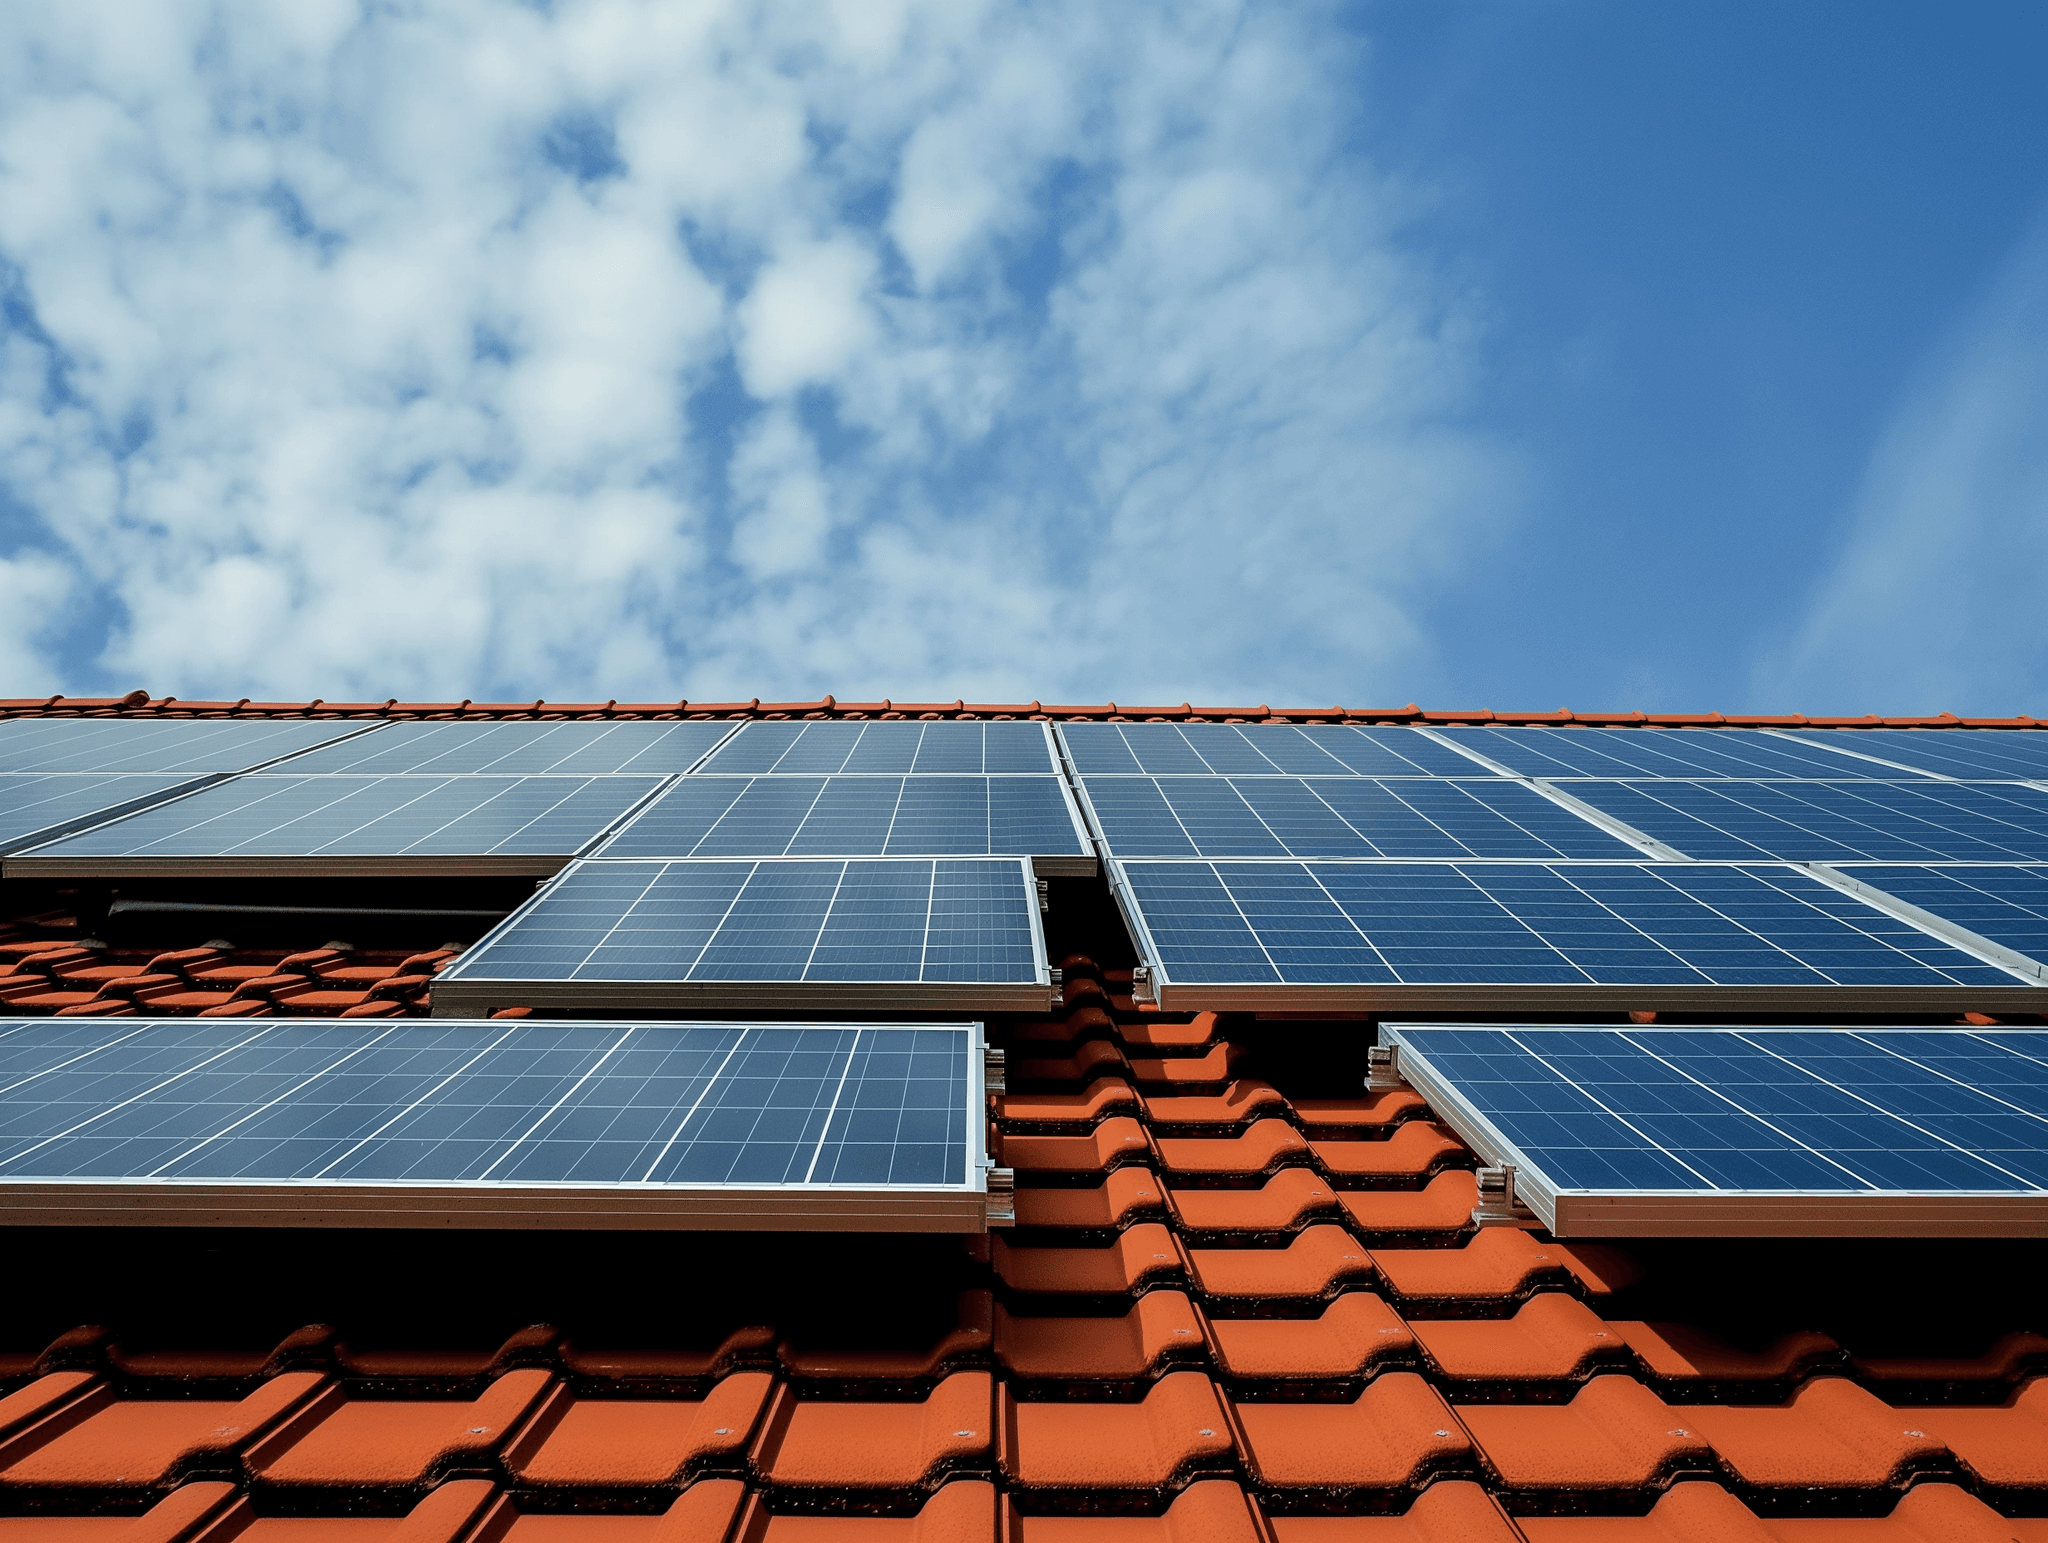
(1498, 1206)
(993, 1063)
(1044, 897)
(1383, 1069)
(1141, 984)
(1002, 1197)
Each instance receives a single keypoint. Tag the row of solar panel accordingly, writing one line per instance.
(1730, 1130)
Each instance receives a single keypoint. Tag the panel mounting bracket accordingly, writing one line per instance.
(1498, 1206)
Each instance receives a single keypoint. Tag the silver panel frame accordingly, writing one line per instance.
(1680, 1213)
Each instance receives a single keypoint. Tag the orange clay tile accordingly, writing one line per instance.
(1095, 1058)
(2007, 1360)
(1830, 1434)
(1701, 1512)
(624, 1441)
(1127, 1193)
(1265, 1146)
(1680, 1353)
(1195, 1034)
(1114, 1141)
(1555, 1337)
(1138, 1254)
(1615, 1434)
(1311, 1265)
(1207, 1511)
(963, 1511)
(1073, 1445)
(1103, 1097)
(1280, 1205)
(1160, 1328)
(356, 1442)
(1449, 1511)
(1500, 1263)
(1443, 1205)
(1355, 1333)
(1416, 1147)
(1372, 1111)
(1244, 1100)
(1392, 1434)
(2006, 1445)
(95, 1441)
(38, 1400)
(1079, 1024)
(970, 1339)
(203, 1508)
(1219, 1065)
(845, 1445)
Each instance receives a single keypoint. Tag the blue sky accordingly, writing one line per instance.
(1598, 355)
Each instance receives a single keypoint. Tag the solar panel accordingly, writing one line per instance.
(1727, 1131)
(1277, 816)
(882, 933)
(942, 748)
(1685, 753)
(790, 816)
(189, 745)
(1253, 750)
(1833, 821)
(440, 1122)
(523, 749)
(2007, 905)
(271, 823)
(1367, 936)
(34, 809)
(1988, 754)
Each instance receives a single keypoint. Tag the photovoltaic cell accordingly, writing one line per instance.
(34, 808)
(1276, 816)
(522, 749)
(1987, 754)
(945, 747)
(1833, 821)
(273, 815)
(2008, 905)
(1608, 924)
(877, 920)
(192, 746)
(854, 816)
(487, 1104)
(1255, 750)
(1742, 1115)
(1683, 753)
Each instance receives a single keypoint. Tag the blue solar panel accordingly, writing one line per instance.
(477, 1104)
(1605, 924)
(1833, 821)
(945, 747)
(790, 816)
(1258, 750)
(899, 920)
(1742, 1112)
(1687, 753)
(1987, 754)
(189, 745)
(1276, 816)
(35, 809)
(2007, 905)
(270, 815)
(645, 748)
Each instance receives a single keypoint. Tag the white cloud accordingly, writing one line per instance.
(641, 350)
(1935, 604)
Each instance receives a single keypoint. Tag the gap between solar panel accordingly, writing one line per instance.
(451, 1123)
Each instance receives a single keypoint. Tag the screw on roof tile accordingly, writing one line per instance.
(1205, 1431)
(963, 1432)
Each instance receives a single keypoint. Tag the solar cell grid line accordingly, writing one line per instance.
(1216, 749)
(1747, 1130)
(273, 823)
(940, 748)
(570, 748)
(39, 807)
(495, 1123)
(781, 933)
(194, 746)
(1357, 935)
(2006, 904)
(1990, 755)
(1689, 754)
(1834, 821)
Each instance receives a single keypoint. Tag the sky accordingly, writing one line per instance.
(1595, 355)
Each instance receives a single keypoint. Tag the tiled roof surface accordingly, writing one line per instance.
(140, 704)
(1244, 1301)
